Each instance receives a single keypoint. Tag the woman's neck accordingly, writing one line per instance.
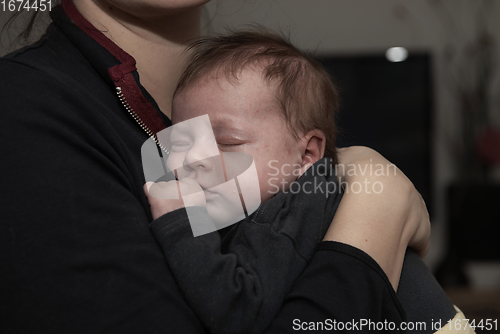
(157, 47)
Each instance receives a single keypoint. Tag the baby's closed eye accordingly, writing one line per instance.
(228, 142)
(180, 145)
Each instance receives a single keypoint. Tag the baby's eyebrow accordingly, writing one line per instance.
(176, 132)
(179, 127)
(227, 120)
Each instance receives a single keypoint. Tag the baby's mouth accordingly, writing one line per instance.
(209, 194)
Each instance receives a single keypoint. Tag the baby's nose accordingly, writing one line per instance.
(196, 159)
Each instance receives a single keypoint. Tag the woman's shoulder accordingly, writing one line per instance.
(50, 89)
(47, 68)
(51, 77)
(35, 56)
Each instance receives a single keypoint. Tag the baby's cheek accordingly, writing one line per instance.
(175, 161)
(269, 183)
(274, 181)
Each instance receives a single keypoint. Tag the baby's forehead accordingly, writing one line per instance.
(230, 100)
(222, 77)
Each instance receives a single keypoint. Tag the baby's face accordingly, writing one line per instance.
(245, 117)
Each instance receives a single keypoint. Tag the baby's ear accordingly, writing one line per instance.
(314, 143)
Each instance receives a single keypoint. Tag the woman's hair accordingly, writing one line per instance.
(25, 23)
(305, 90)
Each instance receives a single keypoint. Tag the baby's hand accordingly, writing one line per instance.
(165, 197)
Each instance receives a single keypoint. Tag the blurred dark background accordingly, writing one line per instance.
(387, 106)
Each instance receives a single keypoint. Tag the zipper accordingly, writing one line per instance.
(138, 119)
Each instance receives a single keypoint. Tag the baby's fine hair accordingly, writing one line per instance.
(305, 90)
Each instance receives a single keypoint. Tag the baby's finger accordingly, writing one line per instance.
(146, 187)
(189, 186)
(164, 190)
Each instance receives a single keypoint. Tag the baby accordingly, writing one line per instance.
(252, 115)
(263, 99)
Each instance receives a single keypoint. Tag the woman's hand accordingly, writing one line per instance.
(381, 212)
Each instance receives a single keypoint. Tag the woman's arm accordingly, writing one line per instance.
(381, 212)
(350, 281)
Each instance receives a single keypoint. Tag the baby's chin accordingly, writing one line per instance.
(225, 214)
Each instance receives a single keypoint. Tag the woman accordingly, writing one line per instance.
(75, 243)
